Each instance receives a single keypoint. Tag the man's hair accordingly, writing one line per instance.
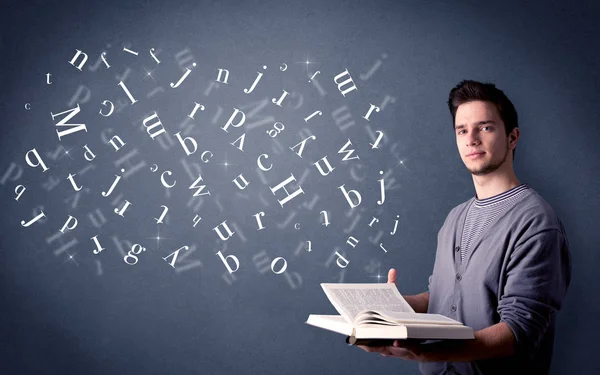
(469, 91)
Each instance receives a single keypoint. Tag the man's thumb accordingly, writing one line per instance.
(392, 275)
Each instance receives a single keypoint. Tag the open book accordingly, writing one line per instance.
(372, 313)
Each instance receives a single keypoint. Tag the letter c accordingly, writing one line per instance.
(262, 167)
(297, 226)
(28, 106)
(162, 179)
(202, 156)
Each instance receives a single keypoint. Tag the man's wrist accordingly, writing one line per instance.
(450, 351)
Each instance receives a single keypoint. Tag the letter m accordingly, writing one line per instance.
(71, 128)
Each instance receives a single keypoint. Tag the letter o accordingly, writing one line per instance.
(282, 270)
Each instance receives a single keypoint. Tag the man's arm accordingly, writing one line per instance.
(491, 342)
(418, 302)
(494, 341)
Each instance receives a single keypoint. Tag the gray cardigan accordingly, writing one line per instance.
(517, 272)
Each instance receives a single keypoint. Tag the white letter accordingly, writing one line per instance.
(282, 185)
(153, 125)
(37, 156)
(185, 147)
(262, 167)
(174, 255)
(347, 195)
(218, 230)
(39, 216)
(235, 260)
(373, 107)
(349, 81)
(19, 193)
(91, 155)
(283, 268)
(329, 167)
(66, 226)
(230, 121)
(110, 111)
(302, 144)
(74, 127)
(70, 178)
(82, 63)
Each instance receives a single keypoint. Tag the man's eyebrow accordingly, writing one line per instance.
(460, 126)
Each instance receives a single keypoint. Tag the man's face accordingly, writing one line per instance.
(481, 138)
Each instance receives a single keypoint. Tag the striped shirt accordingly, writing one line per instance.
(483, 212)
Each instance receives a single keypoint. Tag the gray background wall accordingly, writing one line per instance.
(95, 314)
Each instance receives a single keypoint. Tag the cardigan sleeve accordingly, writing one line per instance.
(537, 278)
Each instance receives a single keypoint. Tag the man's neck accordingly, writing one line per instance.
(494, 183)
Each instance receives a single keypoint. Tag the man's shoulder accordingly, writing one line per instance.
(530, 210)
(533, 209)
(533, 215)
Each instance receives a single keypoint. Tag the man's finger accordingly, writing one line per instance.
(370, 349)
(392, 276)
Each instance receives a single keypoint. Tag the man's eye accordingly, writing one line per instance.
(486, 127)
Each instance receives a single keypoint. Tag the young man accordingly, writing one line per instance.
(502, 264)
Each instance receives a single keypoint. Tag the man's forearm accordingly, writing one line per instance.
(491, 342)
(418, 302)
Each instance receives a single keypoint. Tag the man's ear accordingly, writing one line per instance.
(513, 137)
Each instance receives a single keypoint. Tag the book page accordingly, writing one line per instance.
(351, 299)
(395, 318)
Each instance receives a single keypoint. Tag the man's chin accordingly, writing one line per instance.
(486, 169)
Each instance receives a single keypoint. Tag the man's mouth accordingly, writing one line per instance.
(475, 155)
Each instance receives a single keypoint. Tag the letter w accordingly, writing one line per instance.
(347, 152)
(70, 113)
(200, 188)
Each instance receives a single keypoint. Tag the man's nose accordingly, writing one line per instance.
(473, 139)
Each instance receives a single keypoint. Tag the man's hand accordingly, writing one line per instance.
(392, 276)
(492, 342)
(405, 349)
